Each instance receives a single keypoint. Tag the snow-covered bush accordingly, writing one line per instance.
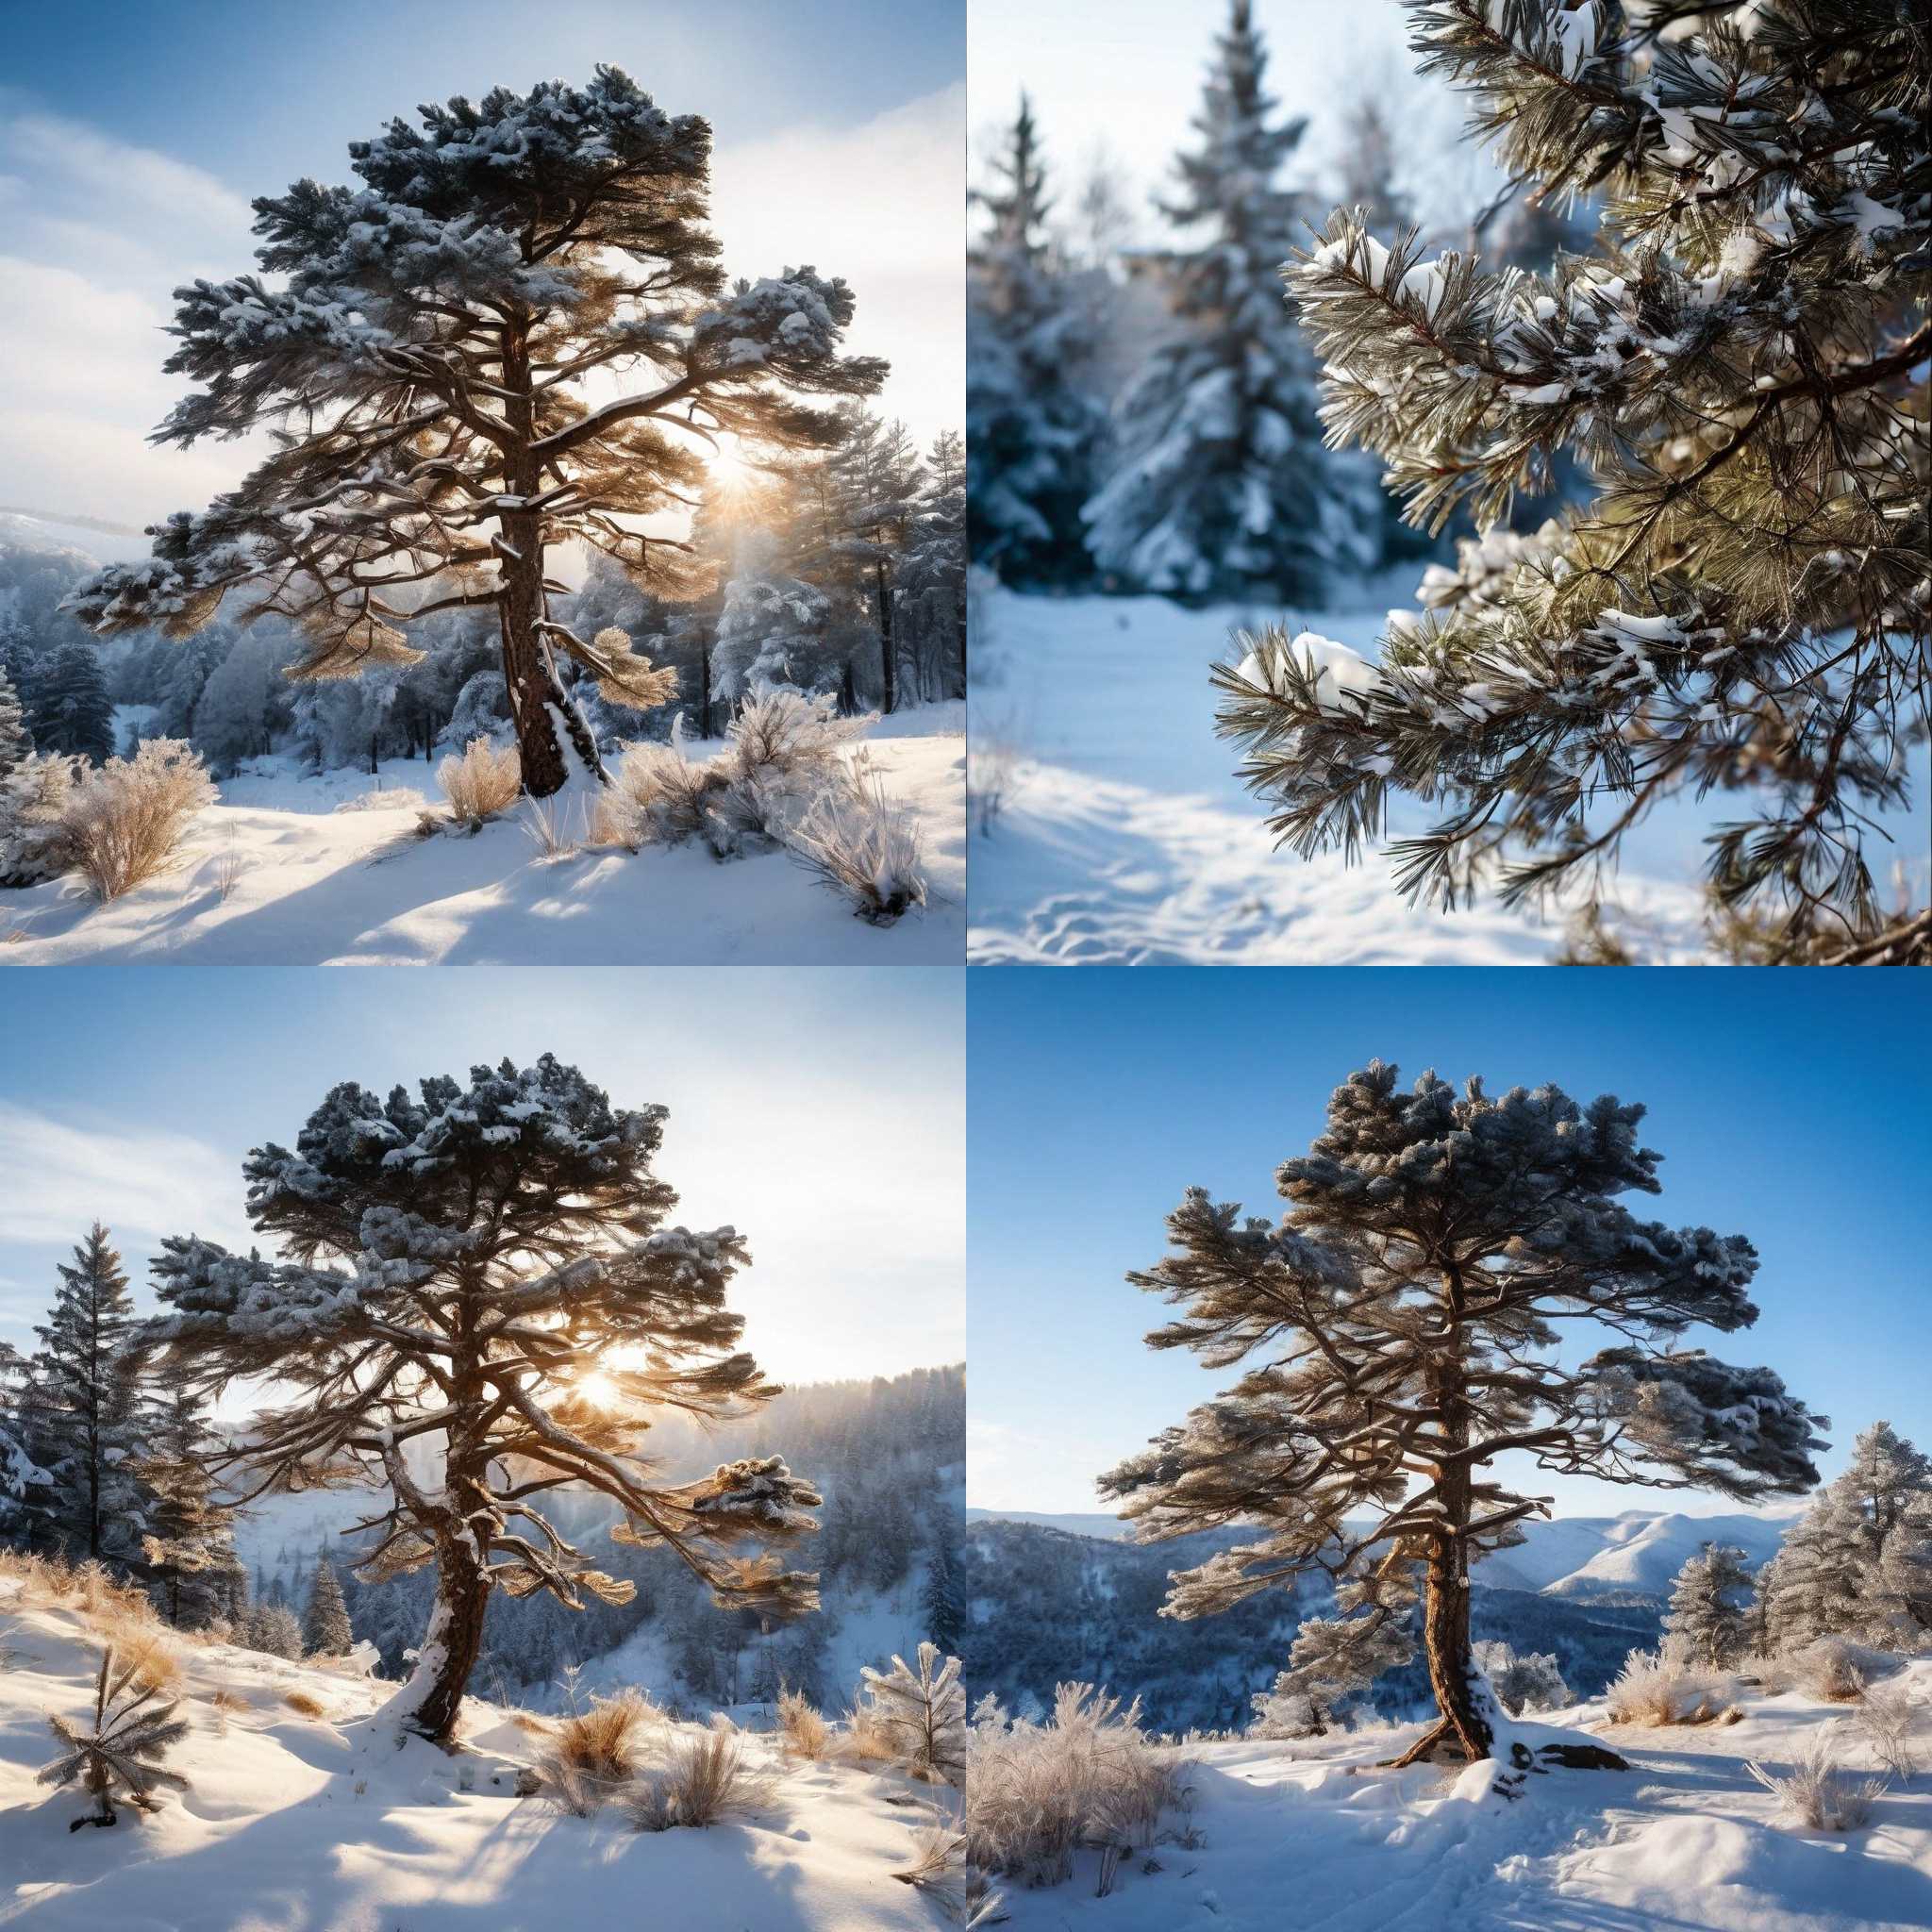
(706, 1776)
(273, 1629)
(1887, 1717)
(787, 734)
(602, 1741)
(121, 1754)
(482, 784)
(387, 798)
(1818, 1792)
(1660, 1687)
(919, 1715)
(1525, 1684)
(861, 844)
(1088, 1775)
(1835, 1669)
(657, 796)
(36, 841)
(125, 819)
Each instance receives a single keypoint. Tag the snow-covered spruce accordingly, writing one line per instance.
(497, 250)
(457, 1265)
(1218, 485)
(1710, 1599)
(1743, 603)
(1396, 1306)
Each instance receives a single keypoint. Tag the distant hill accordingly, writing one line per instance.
(86, 539)
(1104, 1528)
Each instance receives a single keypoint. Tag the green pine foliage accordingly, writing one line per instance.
(325, 1630)
(1740, 605)
(188, 1560)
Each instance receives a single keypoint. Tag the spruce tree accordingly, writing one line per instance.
(481, 1301)
(421, 341)
(20, 1476)
(1033, 425)
(878, 478)
(325, 1630)
(1220, 486)
(1740, 605)
(943, 1599)
(15, 743)
(1404, 1311)
(1710, 1603)
(189, 1549)
(86, 1412)
(73, 713)
(932, 573)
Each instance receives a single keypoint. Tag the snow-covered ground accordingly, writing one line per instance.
(276, 874)
(1123, 836)
(1313, 1838)
(322, 1824)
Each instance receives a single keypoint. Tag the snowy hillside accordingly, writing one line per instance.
(316, 1819)
(296, 870)
(1313, 1838)
(1123, 836)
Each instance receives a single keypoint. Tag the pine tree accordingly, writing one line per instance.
(1405, 1306)
(16, 745)
(877, 475)
(1033, 426)
(1331, 1660)
(21, 1479)
(325, 1630)
(424, 348)
(86, 1412)
(943, 1598)
(921, 1714)
(1524, 1684)
(456, 1269)
(1221, 487)
(772, 630)
(73, 713)
(932, 573)
(190, 1546)
(1709, 1600)
(1741, 603)
(1858, 1563)
(273, 1629)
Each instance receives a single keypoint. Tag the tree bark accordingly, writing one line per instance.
(887, 647)
(453, 1641)
(1445, 1642)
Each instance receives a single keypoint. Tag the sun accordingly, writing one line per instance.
(598, 1389)
(727, 465)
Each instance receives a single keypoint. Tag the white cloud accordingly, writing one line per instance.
(142, 1185)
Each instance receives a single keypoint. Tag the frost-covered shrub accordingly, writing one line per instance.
(1819, 1793)
(657, 796)
(804, 1729)
(1523, 1685)
(387, 798)
(863, 845)
(784, 733)
(1834, 1669)
(482, 784)
(920, 1714)
(36, 841)
(1660, 1687)
(1887, 1717)
(602, 1741)
(125, 819)
(273, 1629)
(1087, 1777)
(705, 1777)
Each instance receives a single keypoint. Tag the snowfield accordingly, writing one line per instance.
(320, 1823)
(1122, 836)
(279, 873)
(1313, 1838)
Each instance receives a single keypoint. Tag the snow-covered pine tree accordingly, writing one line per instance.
(941, 1599)
(275, 1630)
(480, 1301)
(1858, 1563)
(422, 341)
(86, 1413)
(772, 630)
(921, 1714)
(1033, 426)
(325, 1630)
(73, 712)
(1742, 602)
(932, 571)
(19, 1472)
(1332, 1659)
(16, 745)
(1220, 486)
(188, 1548)
(1709, 1602)
(1405, 1303)
(877, 473)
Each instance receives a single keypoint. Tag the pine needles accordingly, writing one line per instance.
(121, 1754)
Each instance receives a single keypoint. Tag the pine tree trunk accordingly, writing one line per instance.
(886, 646)
(452, 1646)
(1445, 1641)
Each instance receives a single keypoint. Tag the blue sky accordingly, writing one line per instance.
(132, 137)
(819, 1112)
(1790, 1107)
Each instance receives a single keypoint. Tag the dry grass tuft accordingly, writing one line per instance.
(705, 1777)
(481, 784)
(863, 846)
(1653, 1689)
(602, 1741)
(304, 1704)
(1887, 1718)
(1833, 1670)
(1818, 1793)
(804, 1731)
(126, 821)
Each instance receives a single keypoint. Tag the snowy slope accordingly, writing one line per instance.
(1123, 836)
(319, 1823)
(274, 875)
(1313, 1837)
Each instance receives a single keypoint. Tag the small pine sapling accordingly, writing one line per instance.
(921, 1714)
(1707, 1618)
(123, 1754)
